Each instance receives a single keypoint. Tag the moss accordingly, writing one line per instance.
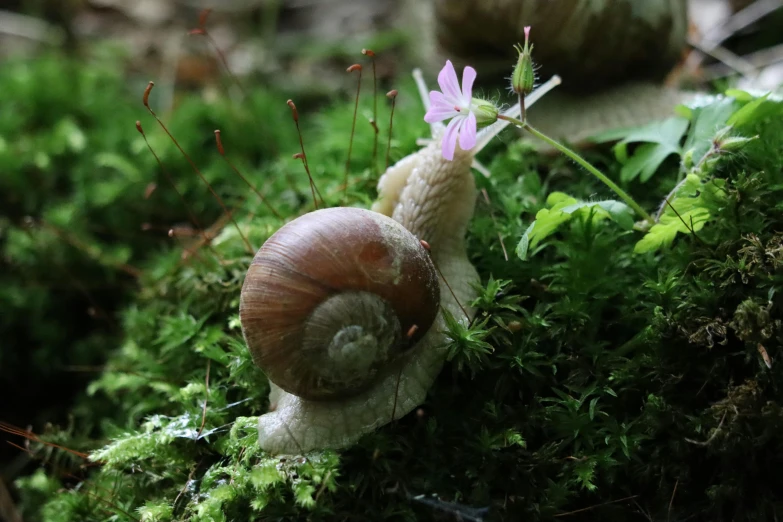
(595, 376)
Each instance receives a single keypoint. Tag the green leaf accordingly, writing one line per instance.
(548, 220)
(303, 494)
(706, 121)
(645, 161)
(661, 140)
(739, 95)
(467, 347)
(694, 205)
(763, 108)
(618, 211)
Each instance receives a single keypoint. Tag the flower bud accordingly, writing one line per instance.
(734, 143)
(524, 76)
(486, 112)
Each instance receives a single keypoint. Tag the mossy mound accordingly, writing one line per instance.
(601, 378)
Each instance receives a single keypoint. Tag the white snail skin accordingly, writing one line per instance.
(434, 200)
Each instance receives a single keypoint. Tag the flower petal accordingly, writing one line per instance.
(436, 114)
(437, 97)
(450, 138)
(440, 108)
(467, 132)
(441, 101)
(447, 79)
(468, 76)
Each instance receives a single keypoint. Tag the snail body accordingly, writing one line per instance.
(430, 199)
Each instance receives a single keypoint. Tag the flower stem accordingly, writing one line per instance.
(522, 107)
(580, 160)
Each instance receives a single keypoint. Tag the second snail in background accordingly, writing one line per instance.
(613, 55)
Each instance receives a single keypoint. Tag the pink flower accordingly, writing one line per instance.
(455, 104)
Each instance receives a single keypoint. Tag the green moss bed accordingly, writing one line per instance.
(613, 372)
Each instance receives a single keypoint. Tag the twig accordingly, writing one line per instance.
(722, 54)
(710, 439)
(671, 502)
(582, 510)
(323, 485)
(185, 486)
(740, 20)
(23, 26)
(758, 59)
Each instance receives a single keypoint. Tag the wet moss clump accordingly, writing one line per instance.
(615, 370)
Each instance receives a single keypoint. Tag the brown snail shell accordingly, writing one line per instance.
(333, 297)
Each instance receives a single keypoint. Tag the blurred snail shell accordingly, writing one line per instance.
(591, 44)
(329, 300)
(612, 55)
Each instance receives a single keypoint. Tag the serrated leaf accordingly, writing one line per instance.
(303, 494)
(693, 204)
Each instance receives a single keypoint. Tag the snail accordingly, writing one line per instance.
(591, 44)
(423, 197)
(613, 55)
(337, 372)
(343, 308)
